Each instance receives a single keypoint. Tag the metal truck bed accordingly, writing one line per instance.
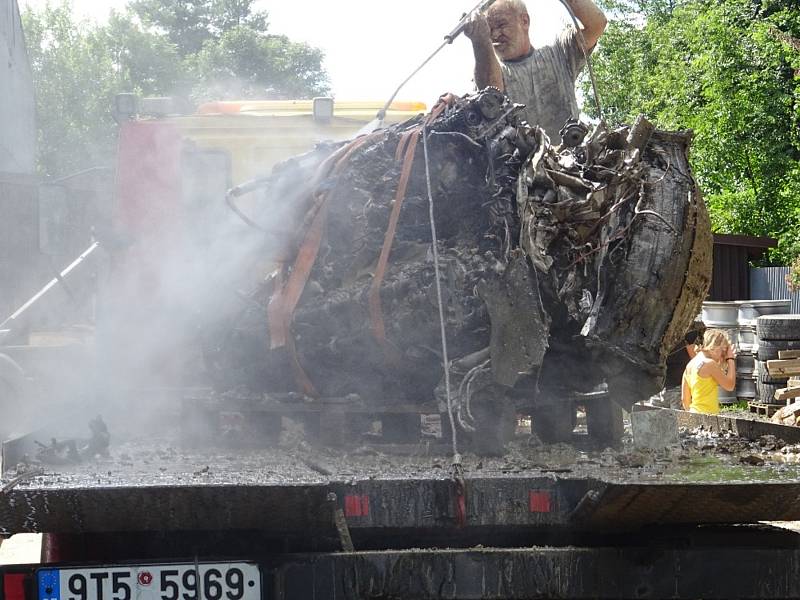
(149, 485)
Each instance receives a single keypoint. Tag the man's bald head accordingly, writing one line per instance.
(509, 23)
(518, 6)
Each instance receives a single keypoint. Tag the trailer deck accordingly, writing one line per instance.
(381, 521)
(148, 484)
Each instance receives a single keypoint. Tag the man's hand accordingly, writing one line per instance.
(477, 29)
(487, 66)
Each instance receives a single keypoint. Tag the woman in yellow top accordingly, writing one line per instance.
(713, 365)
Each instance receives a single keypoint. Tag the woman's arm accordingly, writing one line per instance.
(726, 381)
(686, 393)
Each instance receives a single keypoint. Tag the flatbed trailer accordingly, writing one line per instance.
(541, 521)
(759, 563)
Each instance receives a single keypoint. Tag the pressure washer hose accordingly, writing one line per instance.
(448, 39)
(586, 56)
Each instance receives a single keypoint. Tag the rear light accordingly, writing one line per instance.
(540, 501)
(356, 506)
(14, 586)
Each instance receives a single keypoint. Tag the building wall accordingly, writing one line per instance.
(730, 276)
(769, 283)
(17, 109)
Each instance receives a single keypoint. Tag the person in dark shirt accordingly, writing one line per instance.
(677, 360)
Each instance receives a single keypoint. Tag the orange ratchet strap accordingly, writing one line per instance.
(284, 300)
(407, 146)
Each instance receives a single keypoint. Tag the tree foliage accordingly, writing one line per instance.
(190, 24)
(245, 64)
(730, 71)
(204, 49)
(77, 71)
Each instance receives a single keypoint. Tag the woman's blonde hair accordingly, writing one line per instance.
(714, 338)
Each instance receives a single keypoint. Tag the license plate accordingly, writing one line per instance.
(188, 581)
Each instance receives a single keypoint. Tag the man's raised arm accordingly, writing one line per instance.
(487, 66)
(592, 18)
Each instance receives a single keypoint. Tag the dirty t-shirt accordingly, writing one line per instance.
(544, 81)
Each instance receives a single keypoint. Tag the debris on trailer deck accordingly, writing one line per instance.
(156, 461)
(70, 451)
(592, 259)
(21, 477)
(149, 484)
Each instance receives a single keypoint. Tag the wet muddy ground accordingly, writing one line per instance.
(701, 457)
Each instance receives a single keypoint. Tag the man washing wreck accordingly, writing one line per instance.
(543, 78)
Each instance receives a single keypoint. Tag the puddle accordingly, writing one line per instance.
(715, 469)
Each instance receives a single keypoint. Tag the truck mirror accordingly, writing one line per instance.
(323, 109)
(126, 106)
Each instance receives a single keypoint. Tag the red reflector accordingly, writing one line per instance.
(356, 506)
(539, 502)
(14, 586)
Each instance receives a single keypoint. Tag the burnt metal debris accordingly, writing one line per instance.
(73, 450)
(563, 268)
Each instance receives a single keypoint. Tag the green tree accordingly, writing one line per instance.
(245, 63)
(190, 24)
(185, 22)
(148, 63)
(226, 46)
(79, 67)
(232, 14)
(727, 70)
(73, 79)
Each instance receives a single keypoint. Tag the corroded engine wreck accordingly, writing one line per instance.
(562, 269)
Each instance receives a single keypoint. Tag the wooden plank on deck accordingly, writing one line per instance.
(787, 393)
(785, 368)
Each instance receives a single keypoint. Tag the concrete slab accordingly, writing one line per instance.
(654, 429)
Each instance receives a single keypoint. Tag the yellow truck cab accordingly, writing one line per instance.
(254, 135)
(170, 164)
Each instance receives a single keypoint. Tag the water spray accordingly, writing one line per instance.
(377, 123)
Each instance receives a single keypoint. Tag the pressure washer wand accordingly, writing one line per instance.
(481, 7)
(587, 57)
(377, 123)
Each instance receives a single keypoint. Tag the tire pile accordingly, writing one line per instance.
(745, 336)
(774, 333)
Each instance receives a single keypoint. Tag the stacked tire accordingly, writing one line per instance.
(745, 338)
(774, 333)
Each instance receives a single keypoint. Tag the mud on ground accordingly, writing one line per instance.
(701, 457)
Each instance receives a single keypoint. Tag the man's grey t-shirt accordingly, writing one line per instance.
(544, 81)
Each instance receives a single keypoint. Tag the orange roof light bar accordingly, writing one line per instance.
(302, 107)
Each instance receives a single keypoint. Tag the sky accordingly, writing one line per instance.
(371, 46)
